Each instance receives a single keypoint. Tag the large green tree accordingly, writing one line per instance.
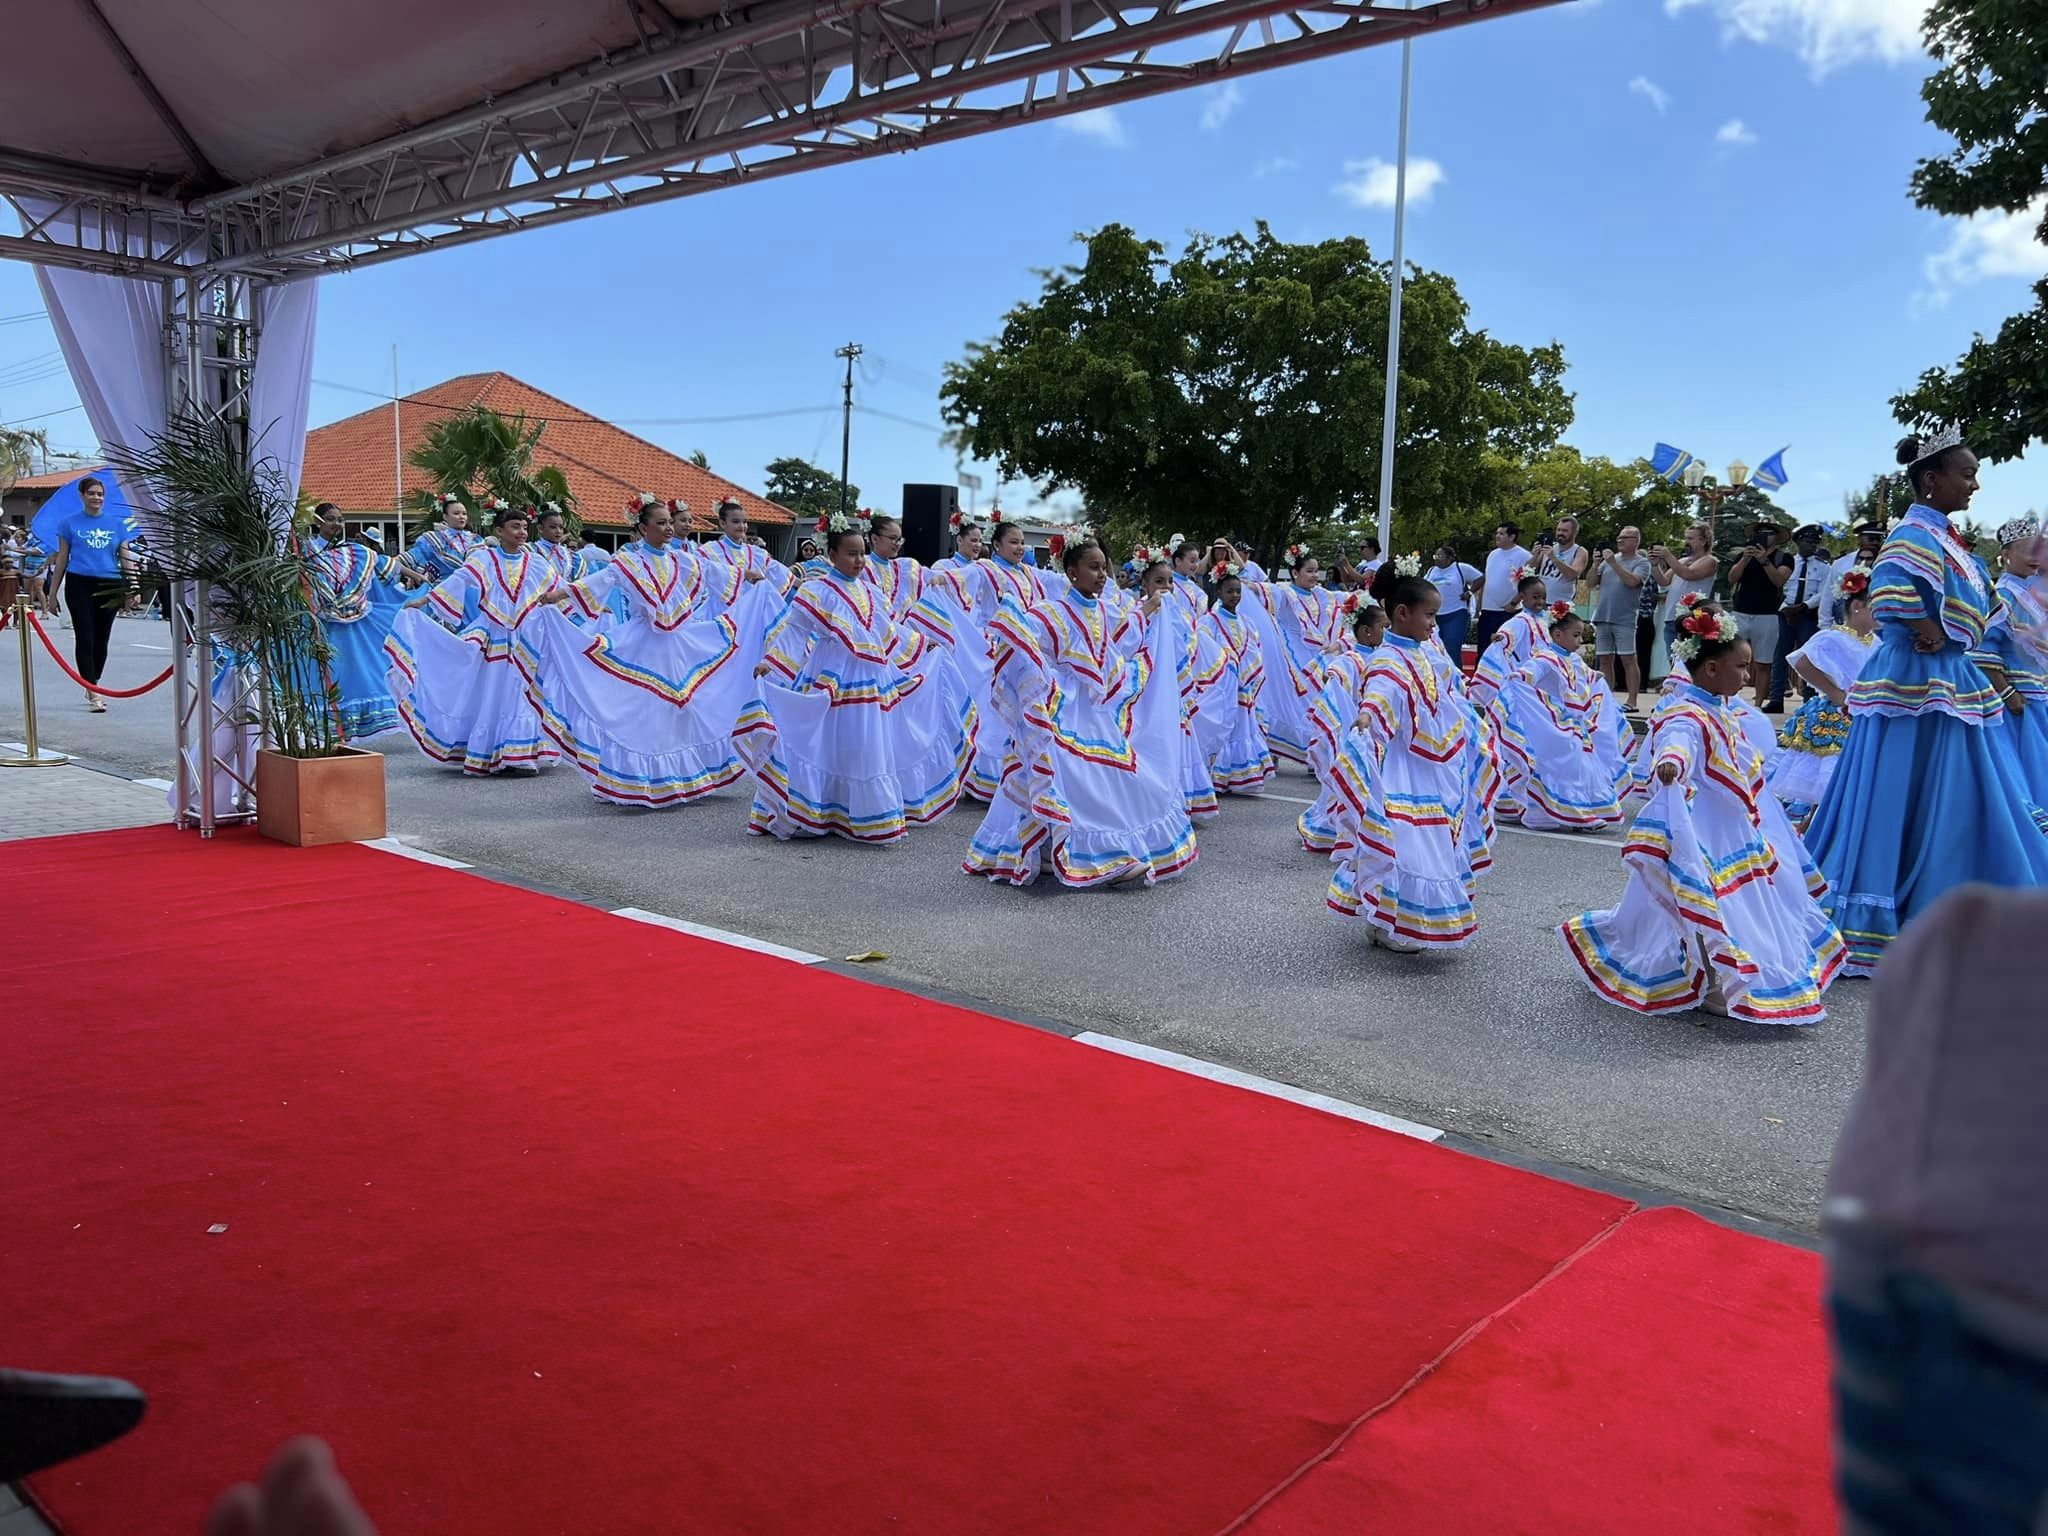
(482, 452)
(805, 489)
(1239, 386)
(1534, 493)
(20, 448)
(1989, 91)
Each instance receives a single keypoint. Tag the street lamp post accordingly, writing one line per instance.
(1711, 496)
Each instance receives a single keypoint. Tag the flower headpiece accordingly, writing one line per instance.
(1699, 627)
(1559, 611)
(1147, 555)
(1691, 600)
(450, 499)
(1854, 583)
(960, 522)
(1225, 568)
(1940, 443)
(1293, 555)
(549, 509)
(678, 506)
(496, 504)
(1408, 565)
(842, 522)
(644, 499)
(1521, 574)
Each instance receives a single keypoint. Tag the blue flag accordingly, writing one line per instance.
(1670, 462)
(1771, 473)
(53, 514)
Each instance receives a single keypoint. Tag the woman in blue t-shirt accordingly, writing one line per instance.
(90, 568)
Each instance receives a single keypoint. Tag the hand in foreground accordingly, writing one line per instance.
(301, 1495)
(1667, 773)
(762, 670)
(756, 576)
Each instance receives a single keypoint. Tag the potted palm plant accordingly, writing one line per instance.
(227, 522)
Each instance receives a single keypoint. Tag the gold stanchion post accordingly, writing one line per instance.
(37, 758)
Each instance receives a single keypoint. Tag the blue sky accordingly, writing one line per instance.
(1704, 200)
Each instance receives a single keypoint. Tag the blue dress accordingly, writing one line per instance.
(2012, 642)
(1929, 793)
(440, 550)
(358, 597)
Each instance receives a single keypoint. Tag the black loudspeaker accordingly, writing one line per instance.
(928, 521)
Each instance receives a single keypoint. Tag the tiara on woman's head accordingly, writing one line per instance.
(1948, 437)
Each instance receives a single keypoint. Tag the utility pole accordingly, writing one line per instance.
(850, 351)
(397, 452)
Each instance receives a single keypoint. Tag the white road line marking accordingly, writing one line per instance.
(719, 936)
(18, 748)
(163, 785)
(1267, 1086)
(141, 645)
(393, 845)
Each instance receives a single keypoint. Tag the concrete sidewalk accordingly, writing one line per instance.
(46, 802)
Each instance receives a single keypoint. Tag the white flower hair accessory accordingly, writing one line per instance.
(1226, 568)
(1173, 544)
(497, 504)
(552, 509)
(646, 499)
(1293, 555)
(678, 506)
(1148, 555)
(842, 522)
(1408, 565)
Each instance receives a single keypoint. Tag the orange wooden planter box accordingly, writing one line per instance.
(308, 801)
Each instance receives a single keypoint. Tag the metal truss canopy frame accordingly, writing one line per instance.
(783, 87)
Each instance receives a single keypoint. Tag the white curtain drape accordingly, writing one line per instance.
(281, 384)
(111, 330)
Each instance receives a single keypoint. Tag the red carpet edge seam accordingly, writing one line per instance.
(1429, 1369)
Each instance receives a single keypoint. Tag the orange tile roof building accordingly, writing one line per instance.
(349, 462)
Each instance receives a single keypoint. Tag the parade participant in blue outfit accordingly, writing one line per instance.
(1811, 741)
(655, 710)
(1091, 786)
(1403, 793)
(2014, 654)
(1928, 794)
(439, 551)
(862, 748)
(90, 569)
(458, 688)
(1240, 762)
(1719, 912)
(357, 596)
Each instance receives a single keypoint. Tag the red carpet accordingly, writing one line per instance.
(1672, 1379)
(551, 1221)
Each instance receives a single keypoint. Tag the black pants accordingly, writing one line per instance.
(1646, 646)
(1490, 621)
(1794, 630)
(93, 601)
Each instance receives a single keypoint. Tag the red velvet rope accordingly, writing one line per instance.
(100, 688)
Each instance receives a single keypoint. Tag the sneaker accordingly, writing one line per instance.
(1388, 941)
(95, 703)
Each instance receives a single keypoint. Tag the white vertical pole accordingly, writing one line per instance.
(1394, 316)
(397, 452)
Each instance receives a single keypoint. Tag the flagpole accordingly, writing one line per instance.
(1394, 314)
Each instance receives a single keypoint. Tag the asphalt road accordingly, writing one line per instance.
(1237, 963)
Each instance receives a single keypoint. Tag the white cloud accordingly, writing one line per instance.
(1101, 125)
(1827, 34)
(1218, 106)
(1275, 165)
(1370, 183)
(1988, 245)
(1736, 133)
(1652, 92)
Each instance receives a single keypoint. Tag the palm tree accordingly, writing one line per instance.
(20, 447)
(483, 452)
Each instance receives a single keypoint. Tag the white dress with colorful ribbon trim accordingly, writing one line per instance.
(358, 597)
(1404, 805)
(1297, 626)
(1550, 728)
(960, 601)
(862, 748)
(458, 687)
(743, 558)
(1091, 786)
(1720, 888)
(1812, 738)
(1241, 761)
(654, 711)
(1331, 715)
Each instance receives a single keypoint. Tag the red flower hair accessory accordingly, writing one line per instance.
(1854, 583)
(1559, 611)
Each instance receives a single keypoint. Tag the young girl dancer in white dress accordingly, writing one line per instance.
(1241, 762)
(1812, 739)
(1297, 623)
(1549, 721)
(1719, 912)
